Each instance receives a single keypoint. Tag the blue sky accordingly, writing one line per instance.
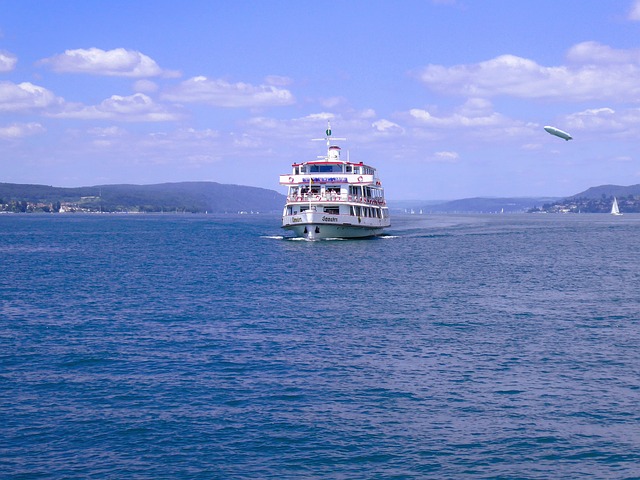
(447, 99)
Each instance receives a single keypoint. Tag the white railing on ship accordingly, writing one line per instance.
(335, 198)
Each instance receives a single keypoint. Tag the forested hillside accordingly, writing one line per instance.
(184, 197)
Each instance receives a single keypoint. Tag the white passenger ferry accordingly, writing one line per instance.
(334, 198)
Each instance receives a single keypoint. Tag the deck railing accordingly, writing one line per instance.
(306, 198)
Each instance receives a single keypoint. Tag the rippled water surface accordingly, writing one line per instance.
(501, 346)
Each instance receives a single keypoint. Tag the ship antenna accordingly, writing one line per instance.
(328, 137)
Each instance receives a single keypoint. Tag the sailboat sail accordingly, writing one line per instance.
(615, 210)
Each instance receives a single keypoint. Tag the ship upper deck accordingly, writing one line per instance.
(331, 169)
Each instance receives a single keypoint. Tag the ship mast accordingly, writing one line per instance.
(328, 138)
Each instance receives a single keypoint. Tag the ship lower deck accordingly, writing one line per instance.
(315, 226)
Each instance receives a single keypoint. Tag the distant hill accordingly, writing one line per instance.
(596, 200)
(593, 200)
(478, 205)
(609, 191)
(209, 197)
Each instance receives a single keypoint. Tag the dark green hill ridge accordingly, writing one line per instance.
(597, 200)
(194, 197)
(609, 191)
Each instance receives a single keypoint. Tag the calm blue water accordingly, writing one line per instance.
(208, 347)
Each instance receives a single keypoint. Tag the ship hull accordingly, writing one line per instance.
(315, 226)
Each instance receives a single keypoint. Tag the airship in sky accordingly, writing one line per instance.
(558, 133)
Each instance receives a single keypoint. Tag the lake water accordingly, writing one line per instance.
(210, 347)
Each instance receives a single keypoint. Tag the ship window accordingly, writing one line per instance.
(333, 210)
(325, 168)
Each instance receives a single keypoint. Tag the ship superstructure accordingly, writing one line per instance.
(334, 198)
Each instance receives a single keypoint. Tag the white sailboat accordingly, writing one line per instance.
(614, 208)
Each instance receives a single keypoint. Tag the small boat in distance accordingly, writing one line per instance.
(334, 198)
(614, 208)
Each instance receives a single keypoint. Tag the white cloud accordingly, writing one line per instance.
(475, 107)
(386, 126)
(129, 148)
(333, 102)
(312, 117)
(367, 113)
(112, 132)
(634, 13)
(595, 72)
(192, 146)
(278, 81)
(475, 119)
(7, 61)
(220, 93)
(20, 130)
(25, 97)
(457, 120)
(594, 53)
(145, 86)
(313, 125)
(196, 135)
(118, 62)
(605, 121)
(447, 156)
(134, 108)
